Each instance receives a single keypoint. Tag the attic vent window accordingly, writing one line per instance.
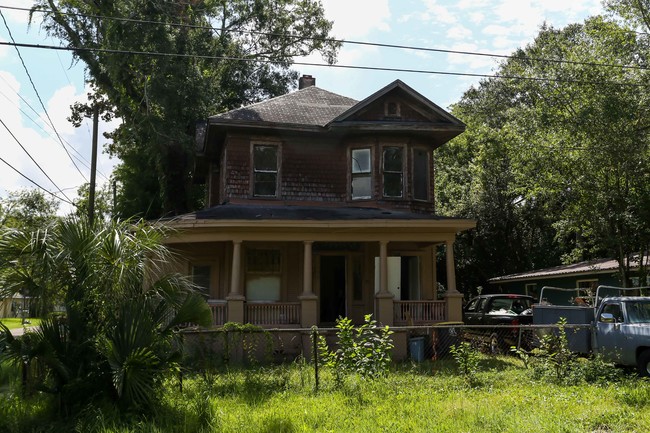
(392, 109)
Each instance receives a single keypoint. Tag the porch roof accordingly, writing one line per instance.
(248, 221)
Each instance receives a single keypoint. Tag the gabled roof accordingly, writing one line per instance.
(399, 85)
(311, 106)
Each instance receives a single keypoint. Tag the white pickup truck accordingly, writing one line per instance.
(618, 327)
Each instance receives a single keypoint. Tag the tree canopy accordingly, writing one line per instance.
(163, 65)
(558, 159)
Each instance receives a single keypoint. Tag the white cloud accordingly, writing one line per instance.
(436, 13)
(459, 32)
(357, 18)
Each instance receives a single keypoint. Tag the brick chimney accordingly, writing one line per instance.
(306, 81)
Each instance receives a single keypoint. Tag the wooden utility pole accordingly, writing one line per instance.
(93, 167)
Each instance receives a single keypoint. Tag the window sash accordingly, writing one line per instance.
(361, 173)
(265, 170)
(393, 165)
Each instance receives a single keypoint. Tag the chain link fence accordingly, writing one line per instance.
(206, 349)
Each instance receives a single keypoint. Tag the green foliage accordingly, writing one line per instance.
(363, 350)
(119, 335)
(27, 209)
(553, 358)
(555, 167)
(159, 100)
(467, 359)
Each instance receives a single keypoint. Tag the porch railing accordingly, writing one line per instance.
(273, 313)
(219, 312)
(419, 312)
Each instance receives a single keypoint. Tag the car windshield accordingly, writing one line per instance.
(638, 311)
(509, 305)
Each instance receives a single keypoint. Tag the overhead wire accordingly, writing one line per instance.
(335, 40)
(33, 160)
(336, 66)
(79, 158)
(47, 114)
(34, 182)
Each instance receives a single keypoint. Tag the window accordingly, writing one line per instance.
(393, 167)
(361, 171)
(265, 170)
(263, 274)
(531, 290)
(392, 109)
(201, 278)
(420, 174)
(614, 310)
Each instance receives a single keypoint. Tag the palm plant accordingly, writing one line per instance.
(122, 308)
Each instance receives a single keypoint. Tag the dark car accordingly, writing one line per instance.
(495, 319)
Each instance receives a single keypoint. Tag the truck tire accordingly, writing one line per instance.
(643, 363)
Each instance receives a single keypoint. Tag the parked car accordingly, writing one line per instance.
(495, 320)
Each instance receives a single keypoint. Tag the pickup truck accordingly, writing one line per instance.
(619, 331)
(495, 319)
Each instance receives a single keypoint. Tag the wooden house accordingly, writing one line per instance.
(320, 206)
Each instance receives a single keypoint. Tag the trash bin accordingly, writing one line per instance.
(416, 348)
(446, 335)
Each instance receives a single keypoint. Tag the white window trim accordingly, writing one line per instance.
(278, 172)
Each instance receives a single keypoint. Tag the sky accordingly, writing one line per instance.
(484, 26)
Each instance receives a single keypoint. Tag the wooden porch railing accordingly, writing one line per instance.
(419, 312)
(272, 313)
(219, 312)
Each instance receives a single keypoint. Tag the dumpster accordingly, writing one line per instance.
(416, 348)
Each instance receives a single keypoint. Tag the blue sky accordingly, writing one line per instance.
(486, 26)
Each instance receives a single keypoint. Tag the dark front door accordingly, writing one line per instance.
(332, 288)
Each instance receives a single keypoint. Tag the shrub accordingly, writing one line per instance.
(364, 350)
(467, 359)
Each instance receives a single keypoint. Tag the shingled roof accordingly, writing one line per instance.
(311, 106)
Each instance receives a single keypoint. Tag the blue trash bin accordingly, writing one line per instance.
(416, 348)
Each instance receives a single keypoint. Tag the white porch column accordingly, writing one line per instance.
(235, 298)
(308, 300)
(384, 298)
(453, 297)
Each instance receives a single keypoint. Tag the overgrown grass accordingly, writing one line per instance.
(427, 397)
(17, 322)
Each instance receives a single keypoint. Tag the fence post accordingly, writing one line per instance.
(314, 337)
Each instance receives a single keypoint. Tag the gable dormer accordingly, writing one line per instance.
(399, 109)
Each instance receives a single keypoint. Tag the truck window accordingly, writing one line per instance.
(638, 312)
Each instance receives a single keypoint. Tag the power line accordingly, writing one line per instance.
(79, 158)
(366, 68)
(32, 158)
(30, 180)
(335, 40)
(47, 114)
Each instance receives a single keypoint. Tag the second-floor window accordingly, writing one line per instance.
(265, 170)
(420, 174)
(393, 172)
(361, 172)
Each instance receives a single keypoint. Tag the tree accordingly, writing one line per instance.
(206, 56)
(558, 158)
(118, 338)
(27, 209)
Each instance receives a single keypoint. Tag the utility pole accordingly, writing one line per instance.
(93, 167)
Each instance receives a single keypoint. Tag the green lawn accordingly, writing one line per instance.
(429, 397)
(16, 322)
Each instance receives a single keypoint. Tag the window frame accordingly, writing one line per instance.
(254, 171)
(255, 273)
(384, 172)
(361, 174)
(206, 292)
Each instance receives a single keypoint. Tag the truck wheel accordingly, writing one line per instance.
(643, 363)
(495, 345)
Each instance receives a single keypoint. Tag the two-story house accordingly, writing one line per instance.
(320, 206)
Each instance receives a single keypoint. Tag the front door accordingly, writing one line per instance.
(332, 288)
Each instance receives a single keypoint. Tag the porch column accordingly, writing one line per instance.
(308, 300)
(453, 297)
(384, 297)
(235, 299)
